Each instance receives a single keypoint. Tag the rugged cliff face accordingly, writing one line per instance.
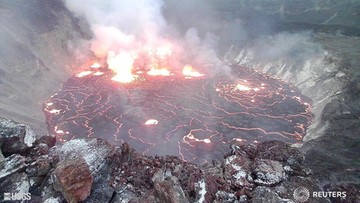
(35, 56)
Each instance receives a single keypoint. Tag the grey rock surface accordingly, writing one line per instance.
(267, 172)
(12, 164)
(15, 183)
(265, 195)
(35, 57)
(15, 137)
(93, 150)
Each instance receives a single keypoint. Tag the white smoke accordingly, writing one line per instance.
(140, 17)
(124, 30)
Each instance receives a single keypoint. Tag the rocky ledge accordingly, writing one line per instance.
(92, 170)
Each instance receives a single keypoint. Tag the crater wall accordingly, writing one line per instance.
(35, 56)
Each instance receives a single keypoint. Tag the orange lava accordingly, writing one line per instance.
(188, 71)
(122, 65)
(159, 72)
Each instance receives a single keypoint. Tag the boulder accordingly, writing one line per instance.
(237, 170)
(101, 190)
(267, 172)
(15, 137)
(72, 177)
(169, 191)
(279, 151)
(93, 150)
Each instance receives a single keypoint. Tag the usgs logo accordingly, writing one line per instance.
(17, 196)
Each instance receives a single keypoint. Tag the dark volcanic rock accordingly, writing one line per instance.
(42, 146)
(15, 137)
(352, 191)
(237, 170)
(49, 140)
(169, 191)
(265, 195)
(279, 151)
(73, 179)
(291, 158)
(224, 197)
(101, 190)
(39, 149)
(40, 167)
(249, 150)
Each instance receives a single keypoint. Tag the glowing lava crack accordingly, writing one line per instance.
(195, 119)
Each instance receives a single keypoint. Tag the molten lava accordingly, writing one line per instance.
(122, 65)
(195, 119)
(188, 71)
(95, 65)
(159, 72)
(83, 74)
(151, 122)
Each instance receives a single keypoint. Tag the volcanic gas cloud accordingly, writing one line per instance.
(132, 35)
(167, 95)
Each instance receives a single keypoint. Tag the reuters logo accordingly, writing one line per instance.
(301, 194)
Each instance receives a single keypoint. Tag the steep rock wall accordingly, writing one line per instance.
(34, 56)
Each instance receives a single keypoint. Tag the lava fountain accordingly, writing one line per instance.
(185, 113)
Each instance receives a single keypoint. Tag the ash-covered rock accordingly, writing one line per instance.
(237, 171)
(93, 150)
(12, 164)
(267, 172)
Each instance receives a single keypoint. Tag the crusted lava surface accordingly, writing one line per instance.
(193, 118)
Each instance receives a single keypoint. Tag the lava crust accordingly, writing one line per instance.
(194, 118)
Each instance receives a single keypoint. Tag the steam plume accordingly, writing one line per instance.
(126, 30)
